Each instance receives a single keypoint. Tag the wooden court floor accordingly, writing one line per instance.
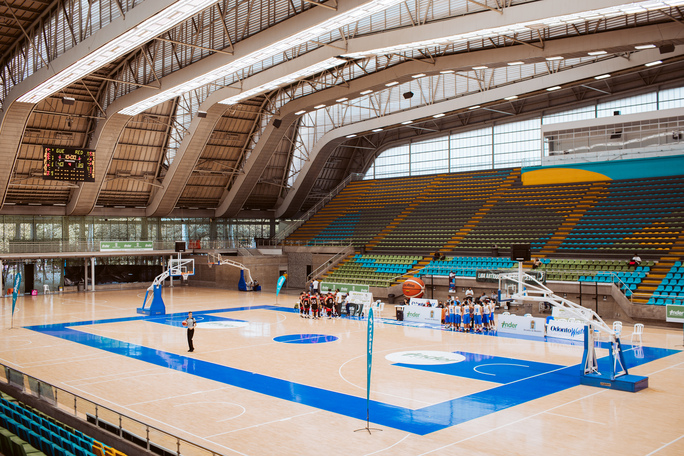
(263, 381)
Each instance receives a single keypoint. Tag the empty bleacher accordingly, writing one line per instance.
(373, 270)
(30, 432)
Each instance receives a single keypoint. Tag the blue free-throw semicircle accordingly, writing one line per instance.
(305, 338)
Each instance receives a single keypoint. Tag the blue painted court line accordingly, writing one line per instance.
(417, 421)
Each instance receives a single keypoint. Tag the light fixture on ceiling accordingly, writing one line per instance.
(512, 97)
(351, 136)
(437, 116)
(390, 84)
(299, 113)
(340, 100)
(516, 63)
(376, 130)
(474, 107)
(319, 106)
(595, 53)
(554, 88)
(334, 23)
(419, 75)
(481, 67)
(558, 57)
(641, 47)
(446, 71)
(272, 85)
(602, 76)
(650, 64)
(366, 92)
(406, 122)
(133, 38)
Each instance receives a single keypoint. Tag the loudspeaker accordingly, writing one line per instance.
(520, 252)
(277, 122)
(408, 95)
(180, 246)
(667, 48)
(201, 114)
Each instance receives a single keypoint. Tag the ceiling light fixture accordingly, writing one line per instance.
(340, 100)
(437, 116)
(272, 85)
(419, 75)
(319, 106)
(558, 57)
(351, 136)
(133, 38)
(365, 92)
(446, 71)
(644, 46)
(594, 53)
(481, 67)
(515, 63)
(299, 113)
(650, 64)
(376, 130)
(551, 89)
(475, 107)
(406, 122)
(390, 84)
(512, 97)
(602, 76)
(278, 47)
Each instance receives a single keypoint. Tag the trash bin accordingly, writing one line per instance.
(80, 286)
(400, 313)
(390, 298)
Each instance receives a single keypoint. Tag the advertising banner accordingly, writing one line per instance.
(492, 275)
(109, 246)
(674, 313)
(565, 330)
(516, 324)
(343, 287)
(423, 314)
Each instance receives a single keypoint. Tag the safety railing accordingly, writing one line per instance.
(94, 246)
(153, 439)
(332, 262)
(310, 213)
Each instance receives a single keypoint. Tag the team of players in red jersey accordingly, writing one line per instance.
(314, 304)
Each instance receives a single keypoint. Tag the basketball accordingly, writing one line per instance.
(185, 323)
(413, 288)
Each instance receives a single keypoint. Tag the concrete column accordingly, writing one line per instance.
(86, 274)
(92, 272)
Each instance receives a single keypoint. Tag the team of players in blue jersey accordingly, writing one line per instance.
(471, 315)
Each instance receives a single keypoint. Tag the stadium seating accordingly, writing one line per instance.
(39, 434)
(470, 212)
(671, 288)
(465, 266)
(373, 270)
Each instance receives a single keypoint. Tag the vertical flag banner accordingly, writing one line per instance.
(369, 360)
(15, 293)
(281, 282)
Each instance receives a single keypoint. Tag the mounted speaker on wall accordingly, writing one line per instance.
(667, 48)
(201, 114)
(277, 122)
(408, 95)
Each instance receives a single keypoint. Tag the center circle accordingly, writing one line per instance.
(305, 339)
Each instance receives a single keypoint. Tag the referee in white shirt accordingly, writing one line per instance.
(190, 323)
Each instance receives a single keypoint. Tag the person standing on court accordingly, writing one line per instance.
(190, 323)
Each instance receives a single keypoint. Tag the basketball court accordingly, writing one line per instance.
(264, 381)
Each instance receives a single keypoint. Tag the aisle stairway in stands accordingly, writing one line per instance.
(512, 178)
(594, 193)
(650, 284)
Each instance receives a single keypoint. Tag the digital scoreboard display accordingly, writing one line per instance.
(68, 164)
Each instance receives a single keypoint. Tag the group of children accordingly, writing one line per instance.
(312, 305)
(471, 315)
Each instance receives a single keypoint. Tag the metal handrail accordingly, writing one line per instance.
(335, 259)
(94, 246)
(82, 408)
(318, 206)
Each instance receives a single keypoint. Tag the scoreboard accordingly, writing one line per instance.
(68, 164)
